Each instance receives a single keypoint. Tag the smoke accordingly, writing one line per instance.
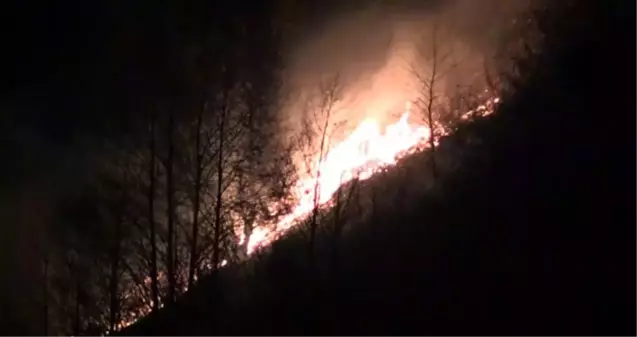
(376, 48)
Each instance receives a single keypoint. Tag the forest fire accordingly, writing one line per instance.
(358, 156)
(239, 156)
(363, 152)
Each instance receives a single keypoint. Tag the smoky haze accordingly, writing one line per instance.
(375, 50)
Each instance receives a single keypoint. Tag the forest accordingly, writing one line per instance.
(277, 167)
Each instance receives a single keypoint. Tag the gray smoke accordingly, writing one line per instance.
(374, 48)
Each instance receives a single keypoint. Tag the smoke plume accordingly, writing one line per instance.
(376, 48)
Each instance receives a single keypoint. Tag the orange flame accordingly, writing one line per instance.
(363, 152)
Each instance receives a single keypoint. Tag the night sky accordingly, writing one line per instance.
(66, 79)
(76, 73)
(76, 69)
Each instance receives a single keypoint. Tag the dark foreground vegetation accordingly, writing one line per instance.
(534, 233)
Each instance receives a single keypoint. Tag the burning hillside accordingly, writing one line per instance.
(204, 191)
(364, 151)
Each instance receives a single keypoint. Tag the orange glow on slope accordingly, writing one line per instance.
(363, 152)
(359, 155)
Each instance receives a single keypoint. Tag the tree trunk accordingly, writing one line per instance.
(247, 232)
(76, 328)
(317, 188)
(114, 280)
(46, 296)
(374, 212)
(151, 217)
(313, 223)
(250, 216)
(216, 249)
(170, 210)
(432, 127)
(336, 232)
(192, 270)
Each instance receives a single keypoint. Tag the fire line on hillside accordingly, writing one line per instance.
(363, 152)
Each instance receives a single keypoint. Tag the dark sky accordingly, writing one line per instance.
(62, 72)
(59, 54)
(61, 81)
(71, 65)
(74, 67)
(77, 72)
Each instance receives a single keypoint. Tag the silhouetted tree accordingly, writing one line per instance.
(192, 267)
(45, 295)
(151, 212)
(429, 74)
(318, 125)
(170, 195)
(344, 212)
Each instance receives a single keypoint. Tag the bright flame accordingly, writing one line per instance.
(363, 152)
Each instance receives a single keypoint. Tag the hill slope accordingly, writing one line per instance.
(534, 234)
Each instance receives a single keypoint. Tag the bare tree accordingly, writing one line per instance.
(427, 80)
(114, 261)
(199, 157)
(318, 126)
(45, 294)
(342, 216)
(151, 214)
(223, 111)
(129, 190)
(113, 291)
(213, 169)
(170, 197)
(215, 142)
(74, 270)
(264, 170)
(434, 64)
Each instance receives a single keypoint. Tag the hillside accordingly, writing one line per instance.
(534, 233)
(149, 148)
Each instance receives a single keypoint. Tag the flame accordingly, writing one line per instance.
(358, 156)
(362, 153)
